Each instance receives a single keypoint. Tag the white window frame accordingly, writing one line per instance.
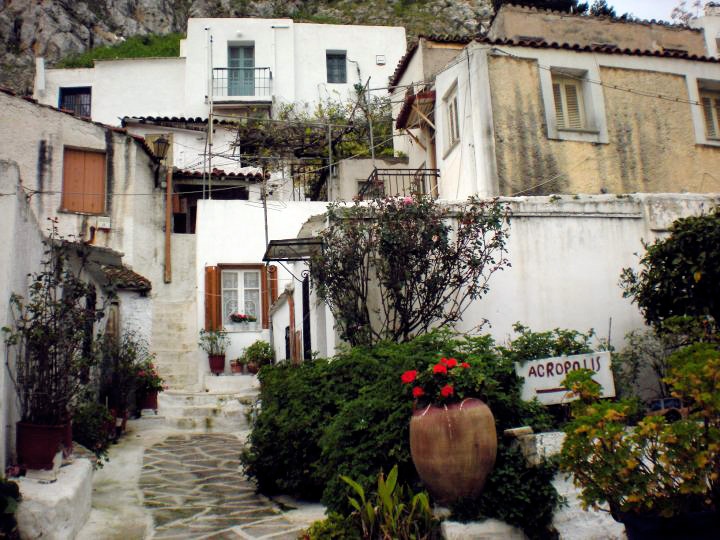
(224, 312)
(583, 70)
(452, 119)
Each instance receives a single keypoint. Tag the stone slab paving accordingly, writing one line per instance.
(194, 488)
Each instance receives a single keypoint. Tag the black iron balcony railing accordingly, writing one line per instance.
(399, 182)
(238, 82)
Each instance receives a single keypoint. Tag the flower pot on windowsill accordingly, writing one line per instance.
(217, 363)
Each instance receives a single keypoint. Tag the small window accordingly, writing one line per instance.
(452, 123)
(241, 294)
(336, 67)
(83, 181)
(711, 113)
(76, 100)
(569, 102)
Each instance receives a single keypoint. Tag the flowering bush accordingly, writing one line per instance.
(147, 379)
(448, 381)
(242, 317)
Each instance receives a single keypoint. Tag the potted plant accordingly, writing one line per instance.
(660, 479)
(147, 384)
(237, 365)
(257, 355)
(238, 317)
(453, 442)
(215, 343)
(118, 373)
(53, 335)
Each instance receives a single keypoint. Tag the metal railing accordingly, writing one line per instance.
(399, 182)
(238, 82)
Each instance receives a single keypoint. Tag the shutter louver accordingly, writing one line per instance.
(707, 104)
(574, 116)
(559, 116)
(264, 301)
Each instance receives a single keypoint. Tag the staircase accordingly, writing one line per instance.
(223, 407)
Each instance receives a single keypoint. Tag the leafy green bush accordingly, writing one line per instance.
(260, 353)
(350, 416)
(133, 47)
(9, 499)
(90, 427)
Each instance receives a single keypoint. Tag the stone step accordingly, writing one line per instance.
(209, 411)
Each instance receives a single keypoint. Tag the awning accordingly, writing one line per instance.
(417, 109)
(293, 249)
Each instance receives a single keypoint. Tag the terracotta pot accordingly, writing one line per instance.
(252, 367)
(37, 444)
(453, 448)
(149, 401)
(235, 367)
(217, 363)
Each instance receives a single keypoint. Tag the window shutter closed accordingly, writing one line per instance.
(73, 179)
(212, 298)
(558, 105)
(94, 199)
(707, 110)
(574, 119)
(83, 181)
(265, 305)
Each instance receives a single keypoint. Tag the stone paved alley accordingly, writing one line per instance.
(169, 484)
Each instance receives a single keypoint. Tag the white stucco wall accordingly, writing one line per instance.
(136, 314)
(21, 237)
(232, 232)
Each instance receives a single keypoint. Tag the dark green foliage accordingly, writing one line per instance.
(92, 425)
(9, 499)
(350, 416)
(133, 47)
(679, 274)
(334, 527)
(528, 498)
(531, 345)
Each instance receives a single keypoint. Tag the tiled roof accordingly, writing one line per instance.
(405, 60)
(604, 49)
(219, 174)
(115, 129)
(124, 278)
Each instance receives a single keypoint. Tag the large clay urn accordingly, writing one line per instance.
(453, 448)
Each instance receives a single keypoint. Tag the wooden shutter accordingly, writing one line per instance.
(83, 181)
(557, 95)
(573, 100)
(273, 282)
(212, 298)
(94, 193)
(73, 180)
(707, 104)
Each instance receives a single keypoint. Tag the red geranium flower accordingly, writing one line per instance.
(417, 392)
(465, 365)
(451, 363)
(440, 368)
(409, 376)
(444, 361)
(447, 390)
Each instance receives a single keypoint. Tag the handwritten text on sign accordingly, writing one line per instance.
(543, 377)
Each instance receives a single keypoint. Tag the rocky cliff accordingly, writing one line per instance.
(55, 29)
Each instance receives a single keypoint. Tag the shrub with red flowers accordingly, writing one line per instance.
(147, 379)
(447, 381)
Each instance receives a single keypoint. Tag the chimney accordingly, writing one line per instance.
(40, 76)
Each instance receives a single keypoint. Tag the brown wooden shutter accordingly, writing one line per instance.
(212, 298)
(73, 180)
(265, 304)
(273, 282)
(94, 192)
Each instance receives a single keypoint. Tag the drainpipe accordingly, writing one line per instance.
(168, 223)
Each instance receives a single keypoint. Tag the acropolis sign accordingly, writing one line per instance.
(543, 378)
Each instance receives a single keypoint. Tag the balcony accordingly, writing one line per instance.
(400, 182)
(242, 84)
